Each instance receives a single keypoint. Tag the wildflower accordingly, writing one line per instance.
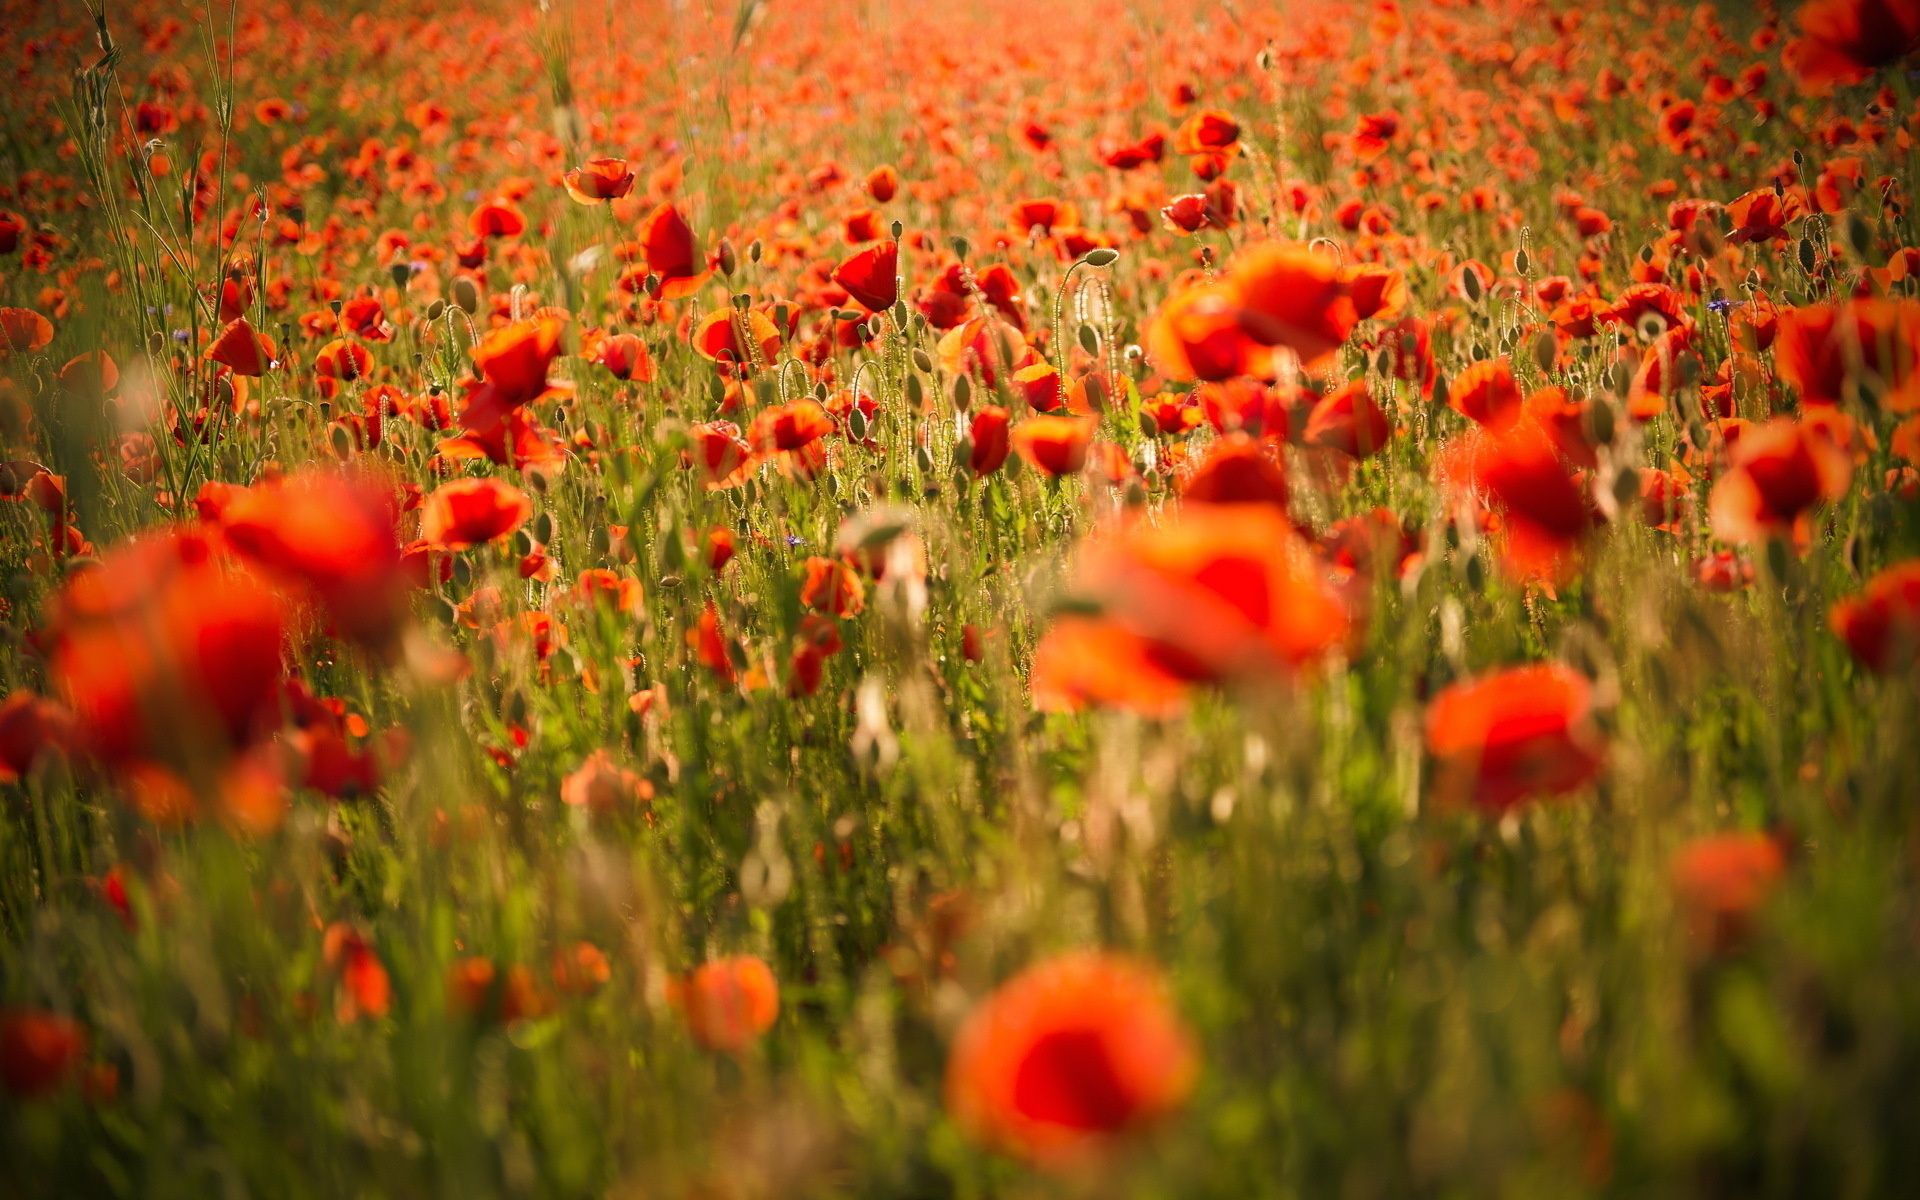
(1881, 625)
(38, 1051)
(727, 1003)
(472, 512)
(1068, 1058)
(599, 180)
(1503, 737)
(1721, 882)
(1778, 473)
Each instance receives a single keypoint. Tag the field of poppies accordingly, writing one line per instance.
(1013, 598)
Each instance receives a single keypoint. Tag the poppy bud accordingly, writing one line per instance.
(754, 251)
(916, 394)
(961, 248)
(1089, 341)
(435, 309)
(922, 360)
(466, 295)
(962, 393)
(1101, 256)
(727, 260)
(897, 229)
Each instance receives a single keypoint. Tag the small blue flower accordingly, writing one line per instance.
(1721, 305)
(795, 541)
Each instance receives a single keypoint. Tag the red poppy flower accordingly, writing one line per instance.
(667, 241)
(791, 426)
(242, 351)
(1197, 335)
(871, 276)
(1882, 624)
(366, 319)
(30, 727)
(723, 456)
(1068, 1057)
(343, 360)
(1209, 131)
(22, 329)
(1239, 470)
(1501, 738)
(985, 345)
(1377, 292)
(1721, 882)
(1875, 344)
(733, 338)
(472, 512)
(599, 180)
(38, 1051)
(990, 440)
(332, 533)
(832, 587)
(1777, 474)
(511, 368)
(1291, 296)
(1485, 392)
(1845, 41)
(601, 785)
(496, 218)
(1054, 445)
(365, 989)
(625, 357)
(881, 183)
(1347, 419)
(1547, 515)
(166, 649)
(728, 1003)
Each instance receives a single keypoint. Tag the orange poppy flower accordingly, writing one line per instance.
(1547, 515)
(1778, 473)
(832, 587)
(599, 180)
(1881, 625)
(791, 426)
(1377, 292)
(1504, 737)
(625, 357)
(1196, 335)
(727, 1003)
(720, 338)
(984, 345)
(722, 455)
(472, 512)
(38, 1051)
(343, 360)
(603, 786)
(1083, 661)
(671, 253)
(1069, 1057)
(580, 969)
(1055, 446)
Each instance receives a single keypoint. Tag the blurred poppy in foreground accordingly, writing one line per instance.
(510, 372)
(1523, 732)
(1069, 1057)
(1055, 446)
(727, 1003)
(1224, 592)
(167, 649)
(1845, 41)
(1882, 624)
